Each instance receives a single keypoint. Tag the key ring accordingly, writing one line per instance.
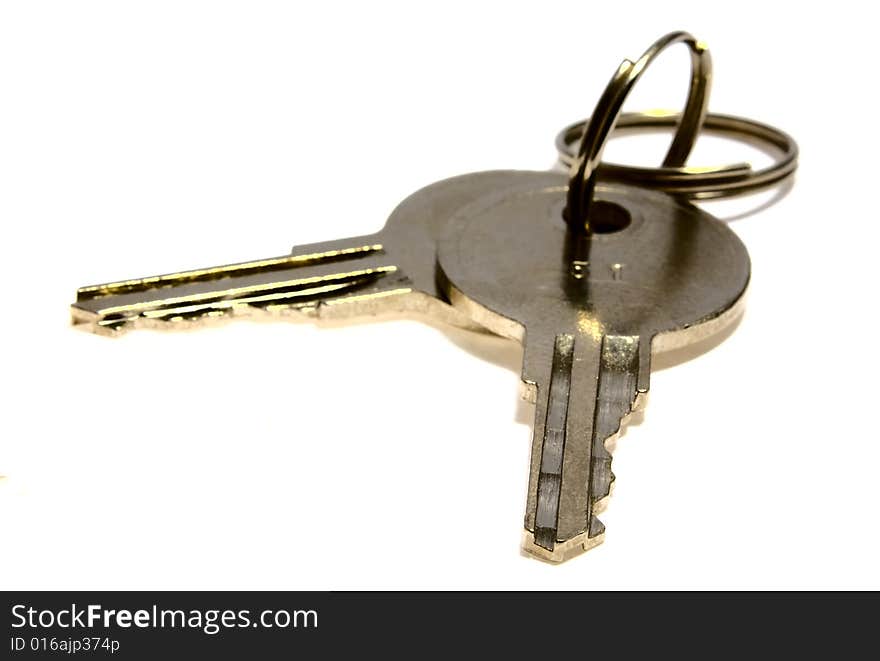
(584, 166)
(699, 183)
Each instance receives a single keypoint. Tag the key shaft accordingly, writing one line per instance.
(318, 274)
(592, 388)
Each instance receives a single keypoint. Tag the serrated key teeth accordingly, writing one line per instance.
(562, 551)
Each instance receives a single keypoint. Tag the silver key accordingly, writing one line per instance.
(592, 279)
(390, 271)
(590, 309)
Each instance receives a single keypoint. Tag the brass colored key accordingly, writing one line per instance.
(590, 309)
(393, 270)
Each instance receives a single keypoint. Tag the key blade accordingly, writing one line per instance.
(591, 388)
(316, 275)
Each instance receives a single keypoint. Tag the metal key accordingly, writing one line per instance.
(390, 271)
(591, 278)
(590, 309)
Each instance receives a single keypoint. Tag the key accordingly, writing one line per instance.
(391, 271)
(592, 279)
(590, 310)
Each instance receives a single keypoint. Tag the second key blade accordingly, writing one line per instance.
(316, 274)
(581, 401)
(392, 270)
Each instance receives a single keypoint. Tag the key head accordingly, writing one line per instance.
(654, 266)
(414, 228)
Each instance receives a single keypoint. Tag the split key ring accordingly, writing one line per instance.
(584, 159)
(697, 183)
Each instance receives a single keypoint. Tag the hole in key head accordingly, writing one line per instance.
(608, 217)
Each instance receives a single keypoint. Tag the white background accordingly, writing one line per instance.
(142, 138)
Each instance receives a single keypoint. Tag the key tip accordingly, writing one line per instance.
(561, 551)
(86, 320)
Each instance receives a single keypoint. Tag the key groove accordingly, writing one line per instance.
(553, 448)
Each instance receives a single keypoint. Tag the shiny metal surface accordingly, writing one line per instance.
(592, 294)
(588, 308)
(595, 134)
(390, 271)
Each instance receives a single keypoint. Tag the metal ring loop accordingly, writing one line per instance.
(582, 181)
(699, 183)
